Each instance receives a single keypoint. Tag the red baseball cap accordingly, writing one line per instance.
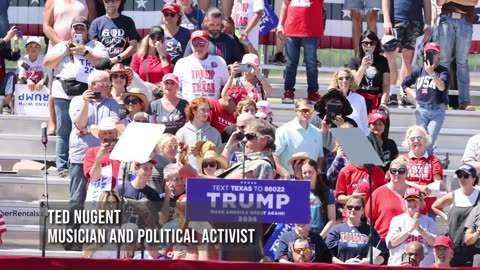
(172, 6)
(199, 34)
(412, 192)
(170, 77)
(443, 241)
(432, 46)
(154, 162)
(237, 93)
(372, 117)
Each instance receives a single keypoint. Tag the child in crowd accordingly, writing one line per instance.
(30, 68)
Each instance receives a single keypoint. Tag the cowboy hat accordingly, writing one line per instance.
(298, 158)
(121, 69)
(107, 123)
(212, 155)
(139, 94)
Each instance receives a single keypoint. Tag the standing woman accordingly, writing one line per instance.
(120, 77)
(322, 201)
(462, 201)
(57, 16)
(151, 61)
(170, 109)
(424, 170)
(176, 36)
(371, 72)
(431, 82)
(349, 242)
(192, 17)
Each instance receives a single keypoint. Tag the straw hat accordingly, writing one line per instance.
(297, 158)
(139, 94)
(121, 69)
(212, 155)
(107, 123)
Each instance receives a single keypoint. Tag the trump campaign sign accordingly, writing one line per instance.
(32, 103)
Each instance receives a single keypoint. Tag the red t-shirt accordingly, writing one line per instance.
(154, 66)
(90, 155)
(386, 204)
(421, 171)
(220, 118)
(304, 18)
(353, 179)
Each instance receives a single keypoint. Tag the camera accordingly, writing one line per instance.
(107, 140)
(333, 109)
(429, 57)
(406, 258)
(239, 136)
(97, 95)
(245, 67)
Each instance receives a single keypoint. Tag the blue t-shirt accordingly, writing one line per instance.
(316, 210)
(193, 21)
(115, 34)
(347, 242)
(138, 194)
(425, 89)
(176, 45)
(406, 10)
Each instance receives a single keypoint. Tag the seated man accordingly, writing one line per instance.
(414, 254)
(137, 188)
(443, 252)
(174, 188)
(8, 80)
(285, 251)
(30, 68)
(302, 251)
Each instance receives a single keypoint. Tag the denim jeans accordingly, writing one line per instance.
(456, 34)
(64, 128)
(7, 84)
(292, 49)
(431, 117)
(78, 185)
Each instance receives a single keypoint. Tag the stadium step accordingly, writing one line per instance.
(27, 188)
(18, 124)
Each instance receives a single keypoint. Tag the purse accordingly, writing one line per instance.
(72, 87)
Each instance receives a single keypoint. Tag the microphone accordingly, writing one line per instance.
(44, 133)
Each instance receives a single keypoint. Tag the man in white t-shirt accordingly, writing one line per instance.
(30, 68)
(73, 62)
(201, 74)
(247, 15)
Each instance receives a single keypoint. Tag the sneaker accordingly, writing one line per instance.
(279, 58)
(405, 102)
(63, 174)
(314, 96)
(393, 101)
(288, 97)
(466, 106)
(6, 110)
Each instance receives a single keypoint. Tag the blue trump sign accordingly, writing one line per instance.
(269, 19)
(245, 200)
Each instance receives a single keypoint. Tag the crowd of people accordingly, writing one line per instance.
(198, 74)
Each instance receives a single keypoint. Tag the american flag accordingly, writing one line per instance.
(28, 16)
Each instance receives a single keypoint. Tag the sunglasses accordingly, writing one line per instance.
(116, 76)
(369, 43)
(417, 139)
(344, 78)
(212, 164)
(299, 250)
(250, 136)
(169, 14)
(133, 101)
(356, 207)
(412, 199)
(432, 52)
(141, 121)
(156, 37)
(199, 43)
(110, 1)
(462, 175)
(306, 110)
(399, 171)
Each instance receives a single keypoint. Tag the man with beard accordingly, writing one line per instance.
(219, 43)
(443, 252)
(301, 250)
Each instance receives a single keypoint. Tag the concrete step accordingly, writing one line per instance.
(20, 146)
(18, 124)
(26, 188)
(35, 252)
